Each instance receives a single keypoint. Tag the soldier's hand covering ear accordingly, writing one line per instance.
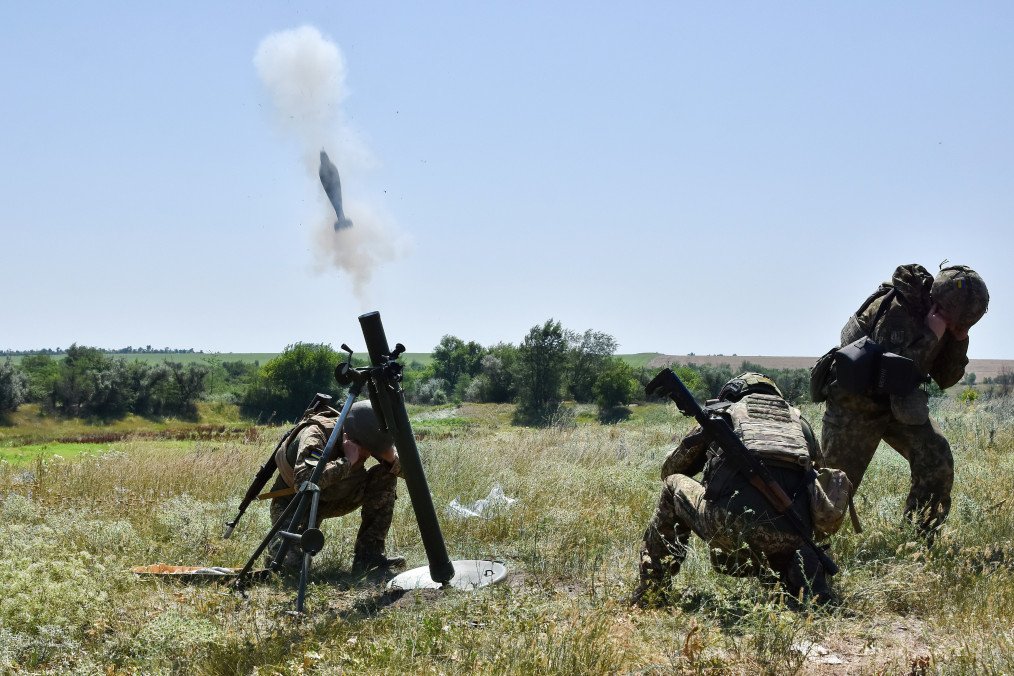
(354, 453)
(936, 321)
(388, 455)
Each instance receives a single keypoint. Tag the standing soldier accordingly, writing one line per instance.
(345, 484)
(746, 536)
(925, 319)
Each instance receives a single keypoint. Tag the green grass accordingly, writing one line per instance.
(640, 359)
(24, 455)
(21, 456)
(70, 529)
(30, 425)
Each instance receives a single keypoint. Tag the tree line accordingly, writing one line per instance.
(89, 383)
(550, 366)
(130, 349)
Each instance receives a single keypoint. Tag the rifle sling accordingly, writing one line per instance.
(854, 517)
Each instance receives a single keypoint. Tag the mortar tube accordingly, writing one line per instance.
(395, 415)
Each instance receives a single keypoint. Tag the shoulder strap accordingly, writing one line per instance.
(884, 304)
(285, 468)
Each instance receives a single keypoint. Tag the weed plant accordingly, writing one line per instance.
(70, 530)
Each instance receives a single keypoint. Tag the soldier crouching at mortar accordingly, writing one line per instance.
(345, 484)
(747, 535)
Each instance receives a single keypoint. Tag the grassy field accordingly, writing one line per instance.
(640, 359)
(71, 528)
(32, 426)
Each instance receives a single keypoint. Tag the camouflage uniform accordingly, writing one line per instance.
(746, 536)
(854, 424)
(343, 487)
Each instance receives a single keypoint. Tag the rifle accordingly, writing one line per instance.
(267, 470)
(743, 459)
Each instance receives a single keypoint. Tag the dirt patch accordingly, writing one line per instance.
(898, 646)
(200, 432)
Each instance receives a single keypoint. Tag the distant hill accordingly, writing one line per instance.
(982, 368)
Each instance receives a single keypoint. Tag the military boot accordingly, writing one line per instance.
(652, 587)
(375, 560)
(804, 578)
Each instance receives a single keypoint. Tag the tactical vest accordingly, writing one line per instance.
(286, 456)
(771, 428)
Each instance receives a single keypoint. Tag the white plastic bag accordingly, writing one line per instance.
(492, 502)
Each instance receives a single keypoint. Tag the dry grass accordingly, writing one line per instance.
(69, 531)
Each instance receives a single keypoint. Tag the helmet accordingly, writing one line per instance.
(363, 427)
(961, 294)
(748, 383)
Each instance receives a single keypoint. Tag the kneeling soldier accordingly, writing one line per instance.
(345, 484)
(745, 535)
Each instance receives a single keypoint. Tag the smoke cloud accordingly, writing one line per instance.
(304, 75)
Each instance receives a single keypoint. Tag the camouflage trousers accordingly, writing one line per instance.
(373, 490)
(742, 540)
(853, 428)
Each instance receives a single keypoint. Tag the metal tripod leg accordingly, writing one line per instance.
(275, 527)
(309, 549)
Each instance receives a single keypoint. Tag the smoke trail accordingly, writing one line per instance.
(304, 74)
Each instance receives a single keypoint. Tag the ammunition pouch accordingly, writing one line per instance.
(855, 365)
(862, 367)
(829, 492)
(898, 375)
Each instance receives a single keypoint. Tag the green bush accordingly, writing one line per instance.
(589, 358)
(286, 384)
(42, 372)
(615, 385)
(455, 360)
(13, 387)
(90, 384)
(541, 365)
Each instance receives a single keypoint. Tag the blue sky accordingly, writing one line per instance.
(688, 177)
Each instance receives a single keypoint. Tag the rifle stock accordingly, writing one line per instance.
(746, 462)
(267, 470)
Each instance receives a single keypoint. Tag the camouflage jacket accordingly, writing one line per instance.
(901, 327)
(304, 450)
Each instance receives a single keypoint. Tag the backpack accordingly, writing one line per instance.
(325, 421)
